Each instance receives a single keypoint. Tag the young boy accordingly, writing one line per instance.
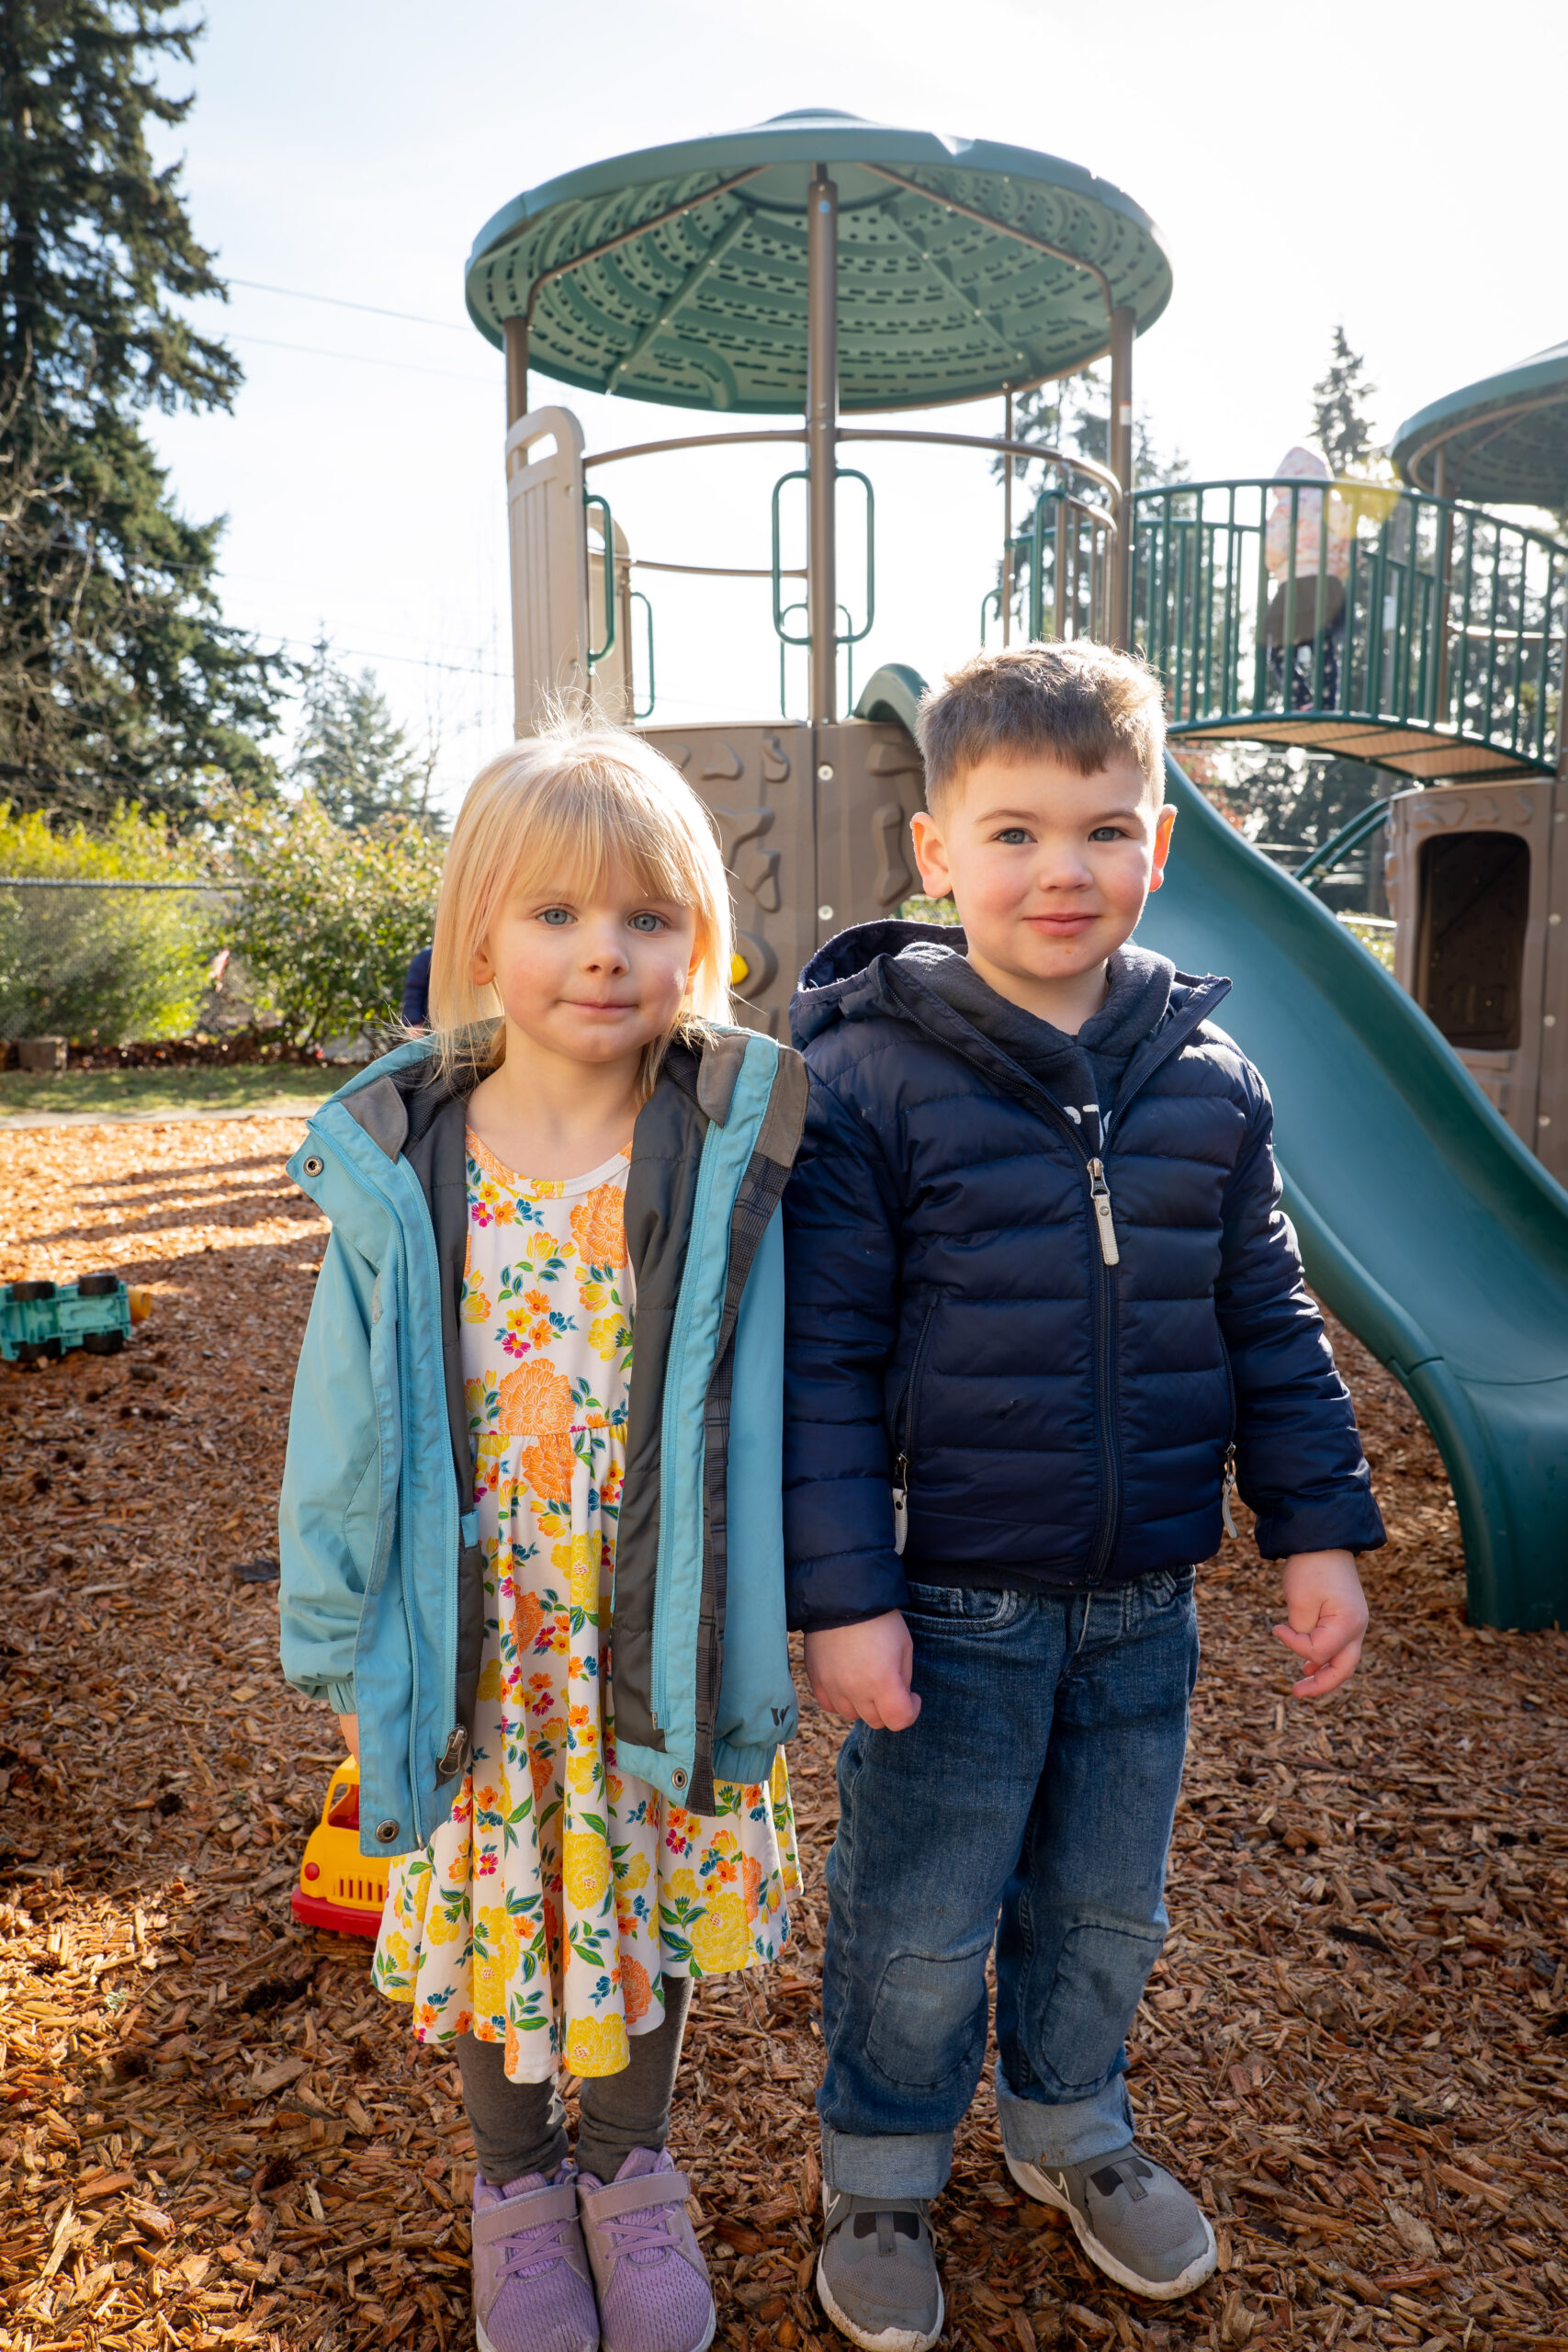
(1043, 1306)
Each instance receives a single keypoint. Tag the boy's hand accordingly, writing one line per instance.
(1327, 1612)
(862, 1672)
(349, 1726)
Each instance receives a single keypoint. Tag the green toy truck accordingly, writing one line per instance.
(42, 1320)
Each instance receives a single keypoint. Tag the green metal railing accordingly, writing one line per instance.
(1350, 837)
(597, 653)
(1280, 607)
(847, 638)
(1065, 553)
(849, 634)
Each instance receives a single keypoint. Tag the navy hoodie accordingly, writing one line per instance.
(1044, 1285)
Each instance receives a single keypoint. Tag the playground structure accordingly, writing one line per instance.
(823, 264)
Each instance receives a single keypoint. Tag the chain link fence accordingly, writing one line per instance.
(112, 960)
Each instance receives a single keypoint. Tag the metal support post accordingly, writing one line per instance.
(1007, 520)
(516, 333)
(1445, 568)
(821, 438)
(1123, 323)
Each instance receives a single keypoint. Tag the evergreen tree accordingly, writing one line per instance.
(352, 755)
(1339, 410)
(118, 679)
(1073, 415)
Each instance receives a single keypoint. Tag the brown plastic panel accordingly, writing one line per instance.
(814, 828)
(757, 780)
(1528, 1082)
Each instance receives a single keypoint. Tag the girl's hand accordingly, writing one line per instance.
(862, 1672)
(1327, 1611)
(349, 1726)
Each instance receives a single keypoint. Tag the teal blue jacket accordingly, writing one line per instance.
(383, 1607)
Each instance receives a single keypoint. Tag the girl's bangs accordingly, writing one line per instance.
(585, 830)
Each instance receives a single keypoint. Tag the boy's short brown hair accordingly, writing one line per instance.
(1077, 702)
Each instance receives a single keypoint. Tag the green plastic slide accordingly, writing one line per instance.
(1424, 1222)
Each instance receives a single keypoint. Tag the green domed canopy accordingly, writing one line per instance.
(1504, 440)
(680, 274)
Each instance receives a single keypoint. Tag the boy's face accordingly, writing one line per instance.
(1049, 869)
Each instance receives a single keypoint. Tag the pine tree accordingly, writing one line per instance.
(118, 680)
(1339, 410)
(350, 752)
(1073, 415)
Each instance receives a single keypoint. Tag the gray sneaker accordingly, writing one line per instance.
(1130, 2216)
(876, 2273)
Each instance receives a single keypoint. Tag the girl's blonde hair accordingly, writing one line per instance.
(560, 810)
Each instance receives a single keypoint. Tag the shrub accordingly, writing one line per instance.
(326, 921)
(110, 964)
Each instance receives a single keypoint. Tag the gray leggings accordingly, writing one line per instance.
(520, 2127)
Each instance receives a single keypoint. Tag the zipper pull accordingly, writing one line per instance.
(902, 1504)
(1227, 1491)
(1100, 1194)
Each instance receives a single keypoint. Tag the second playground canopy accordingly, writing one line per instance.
(1504, 440)
(679, 274)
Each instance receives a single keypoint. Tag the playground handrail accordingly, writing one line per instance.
(1381, 621)
(997, 445)
(1338, 846)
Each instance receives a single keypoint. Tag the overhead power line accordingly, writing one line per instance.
(363, 359)
(369, 653)
(338, 302)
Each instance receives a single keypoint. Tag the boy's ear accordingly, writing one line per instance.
(1162, 824)
(931, 854)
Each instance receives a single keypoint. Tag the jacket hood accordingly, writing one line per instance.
(849, 979)
(844, 976)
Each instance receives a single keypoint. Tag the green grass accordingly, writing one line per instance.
(241, 1087)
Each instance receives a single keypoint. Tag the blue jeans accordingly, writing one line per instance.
(1037, 1788)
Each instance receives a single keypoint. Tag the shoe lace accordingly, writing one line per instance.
(531, 2249)
(641, 2237)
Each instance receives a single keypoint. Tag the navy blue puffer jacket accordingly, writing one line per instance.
(1064, 1421)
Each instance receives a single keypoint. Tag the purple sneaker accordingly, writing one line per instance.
(653, 2283)
(532, 2290)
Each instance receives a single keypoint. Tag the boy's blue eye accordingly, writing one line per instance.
(1106, 833)
(1014, 836)
(648, 922)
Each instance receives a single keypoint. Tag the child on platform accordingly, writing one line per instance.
(1043, 1306)
(482, 1502)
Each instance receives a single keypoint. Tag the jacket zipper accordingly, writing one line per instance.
(1227, 1491)
(1109, 1256)
(1105, 1360)
(384, 1547)
(674, 1366)
(907, 1444)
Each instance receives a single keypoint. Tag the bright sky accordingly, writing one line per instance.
(1381, 165)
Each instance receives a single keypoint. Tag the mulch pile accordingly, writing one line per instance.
(213, 2132)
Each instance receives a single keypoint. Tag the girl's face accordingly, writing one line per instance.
(594, 977)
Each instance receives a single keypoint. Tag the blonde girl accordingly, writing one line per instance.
(546, 1596)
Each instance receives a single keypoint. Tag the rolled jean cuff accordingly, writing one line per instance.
(1072, 2131)
(886, 2163)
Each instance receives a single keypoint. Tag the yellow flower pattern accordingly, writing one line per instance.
(548, 1911)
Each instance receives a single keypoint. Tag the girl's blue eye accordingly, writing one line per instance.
(555, 916)
(648, 922)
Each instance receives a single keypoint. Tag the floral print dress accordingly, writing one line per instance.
(546, 1912)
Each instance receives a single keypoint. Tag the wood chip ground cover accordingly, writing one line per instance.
(213, 2132)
